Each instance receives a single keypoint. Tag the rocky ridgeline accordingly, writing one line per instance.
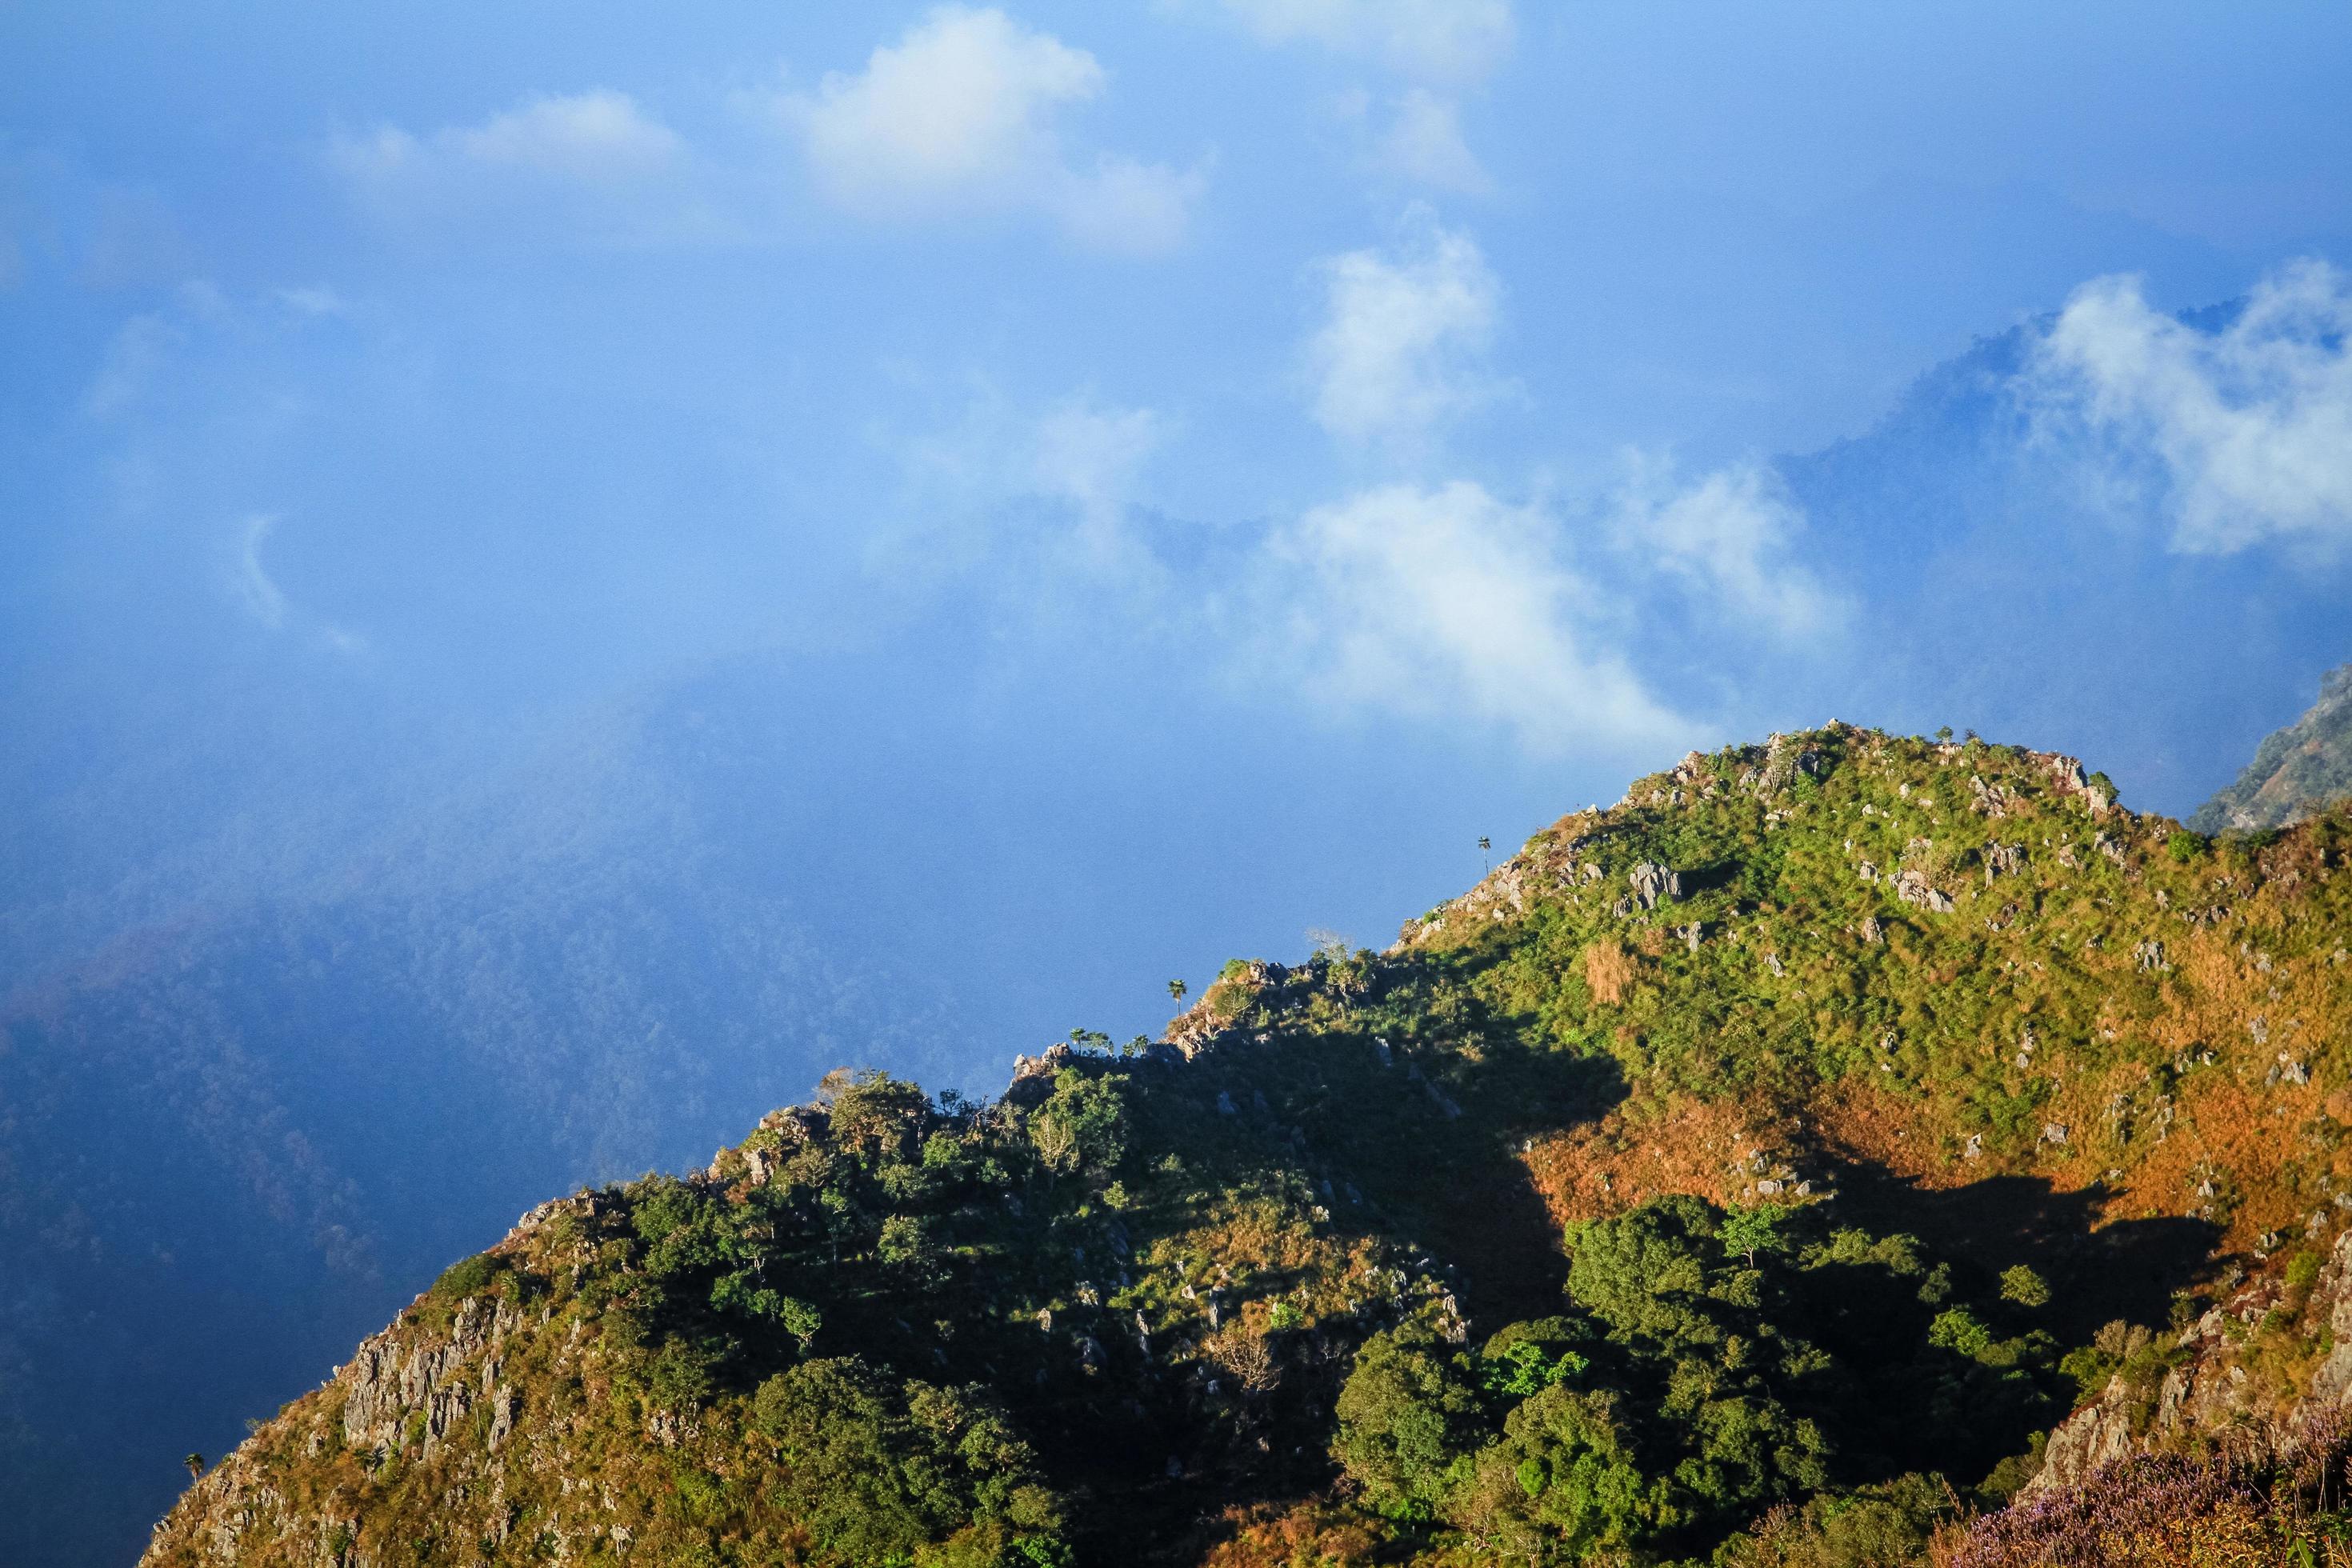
(1581, 853)
(2296, 772)
(402, 1396)
(1846, 878)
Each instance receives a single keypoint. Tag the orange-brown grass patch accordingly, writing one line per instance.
(1610, 972)
(1646, 1150)
(2234, 1116)
(1856, 1120)
(1310, 1533)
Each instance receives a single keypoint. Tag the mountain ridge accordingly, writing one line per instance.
(1211, 1298)
(2297, 770)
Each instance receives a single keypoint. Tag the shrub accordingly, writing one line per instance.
(2023, 1286)
(467, 1277)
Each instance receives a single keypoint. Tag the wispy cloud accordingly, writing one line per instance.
(1434, 53)
(1047, 494)
(250, 581)
(1093, 456)
(595, 138)
(1400, 350)
(962, 116)
(1444, 600)
(1424, 142)
(2244, 432)
(596, 162)
(1726, 538)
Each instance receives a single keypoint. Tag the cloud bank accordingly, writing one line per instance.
(1444, 601)
(2246, 429)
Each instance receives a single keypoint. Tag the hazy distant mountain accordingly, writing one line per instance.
(2296, 770)
(228, 1144)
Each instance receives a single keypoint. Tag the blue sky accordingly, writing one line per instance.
(1390, 386)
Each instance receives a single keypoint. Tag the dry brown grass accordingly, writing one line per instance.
(1855, 1120)
(1610, 972)
(1314, 1533)
(1645, 1151)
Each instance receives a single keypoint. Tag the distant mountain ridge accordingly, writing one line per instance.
(2296, 772)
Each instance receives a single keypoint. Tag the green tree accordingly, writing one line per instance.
(1564, 1481)
(196, 1463)
(1083, 1125)
(1753, 1228)
(1409, 1421)
(1176, 991)
(879, 1471)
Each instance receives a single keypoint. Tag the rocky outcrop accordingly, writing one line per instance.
(1914, 889)
(2219, 1382)
(400, 1388)
(407, 1389)
(1654, 883)
(2296, 770)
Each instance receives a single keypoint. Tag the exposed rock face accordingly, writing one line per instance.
(2217, 1385)
(394, 1378)
(1653, 883)
(2296, 770)
(1033, 1077)
(406, 1391)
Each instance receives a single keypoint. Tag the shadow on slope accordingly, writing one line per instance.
(2098, 1271)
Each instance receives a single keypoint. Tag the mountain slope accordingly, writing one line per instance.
(1789, 1133)
(2296, 772)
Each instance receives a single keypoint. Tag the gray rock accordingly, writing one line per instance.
(1913, 889)
(1653, 882)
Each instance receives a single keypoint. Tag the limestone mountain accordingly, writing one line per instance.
(2296, 772)
(1757, 1171)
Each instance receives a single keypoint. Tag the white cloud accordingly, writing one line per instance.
(1423, 143)
(1400, 347)
(1445, 40)
(601, 135)
(960, 116)
(593, 164)
(595, 138)
(2249, 426)
(1727, 538)
(1446, 600)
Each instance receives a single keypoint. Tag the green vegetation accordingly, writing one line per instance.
(1743, 1172)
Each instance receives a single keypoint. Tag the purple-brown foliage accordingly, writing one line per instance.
(2255, 1508)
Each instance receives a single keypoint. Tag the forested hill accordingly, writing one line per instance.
(2297, 771)
(1755, 1170)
